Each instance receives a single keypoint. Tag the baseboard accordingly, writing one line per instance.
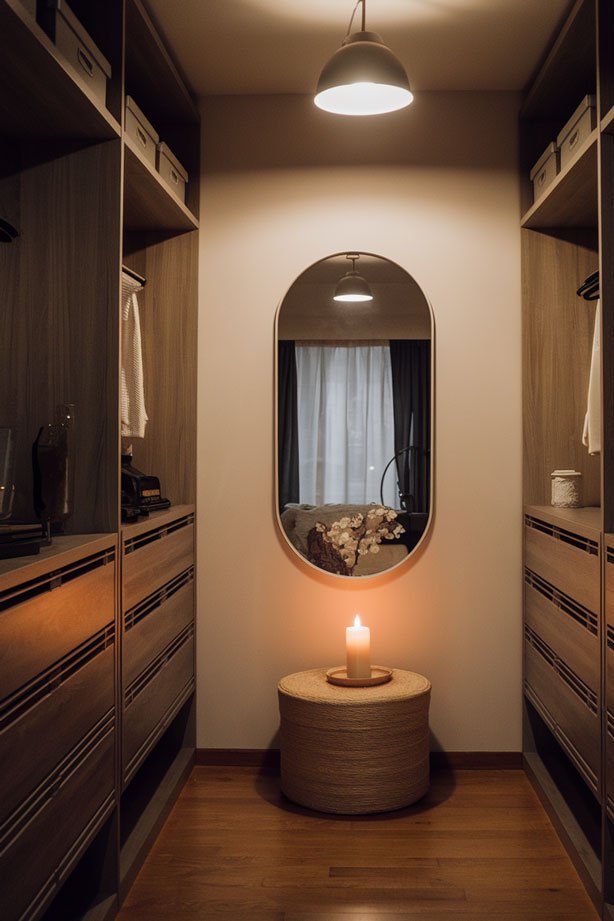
(268, 759)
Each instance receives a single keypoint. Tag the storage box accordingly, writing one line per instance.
(172, 171)
(576, 131)
(141, 131)
(30, 6)
(545, 170)
(78, 48)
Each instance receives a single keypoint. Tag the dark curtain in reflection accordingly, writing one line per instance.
(411, 394)
(287, 427)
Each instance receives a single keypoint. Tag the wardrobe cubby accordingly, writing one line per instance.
(90, 780)
(568, 234)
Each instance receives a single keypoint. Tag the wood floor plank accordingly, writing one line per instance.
(478, 847)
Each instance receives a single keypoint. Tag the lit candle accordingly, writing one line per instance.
(357, 650)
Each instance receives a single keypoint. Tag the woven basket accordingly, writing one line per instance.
(354, 750)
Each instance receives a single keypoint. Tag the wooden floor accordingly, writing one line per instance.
(478, 847)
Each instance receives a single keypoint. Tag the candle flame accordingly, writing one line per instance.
(357, 621)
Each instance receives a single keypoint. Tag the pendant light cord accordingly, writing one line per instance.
(364, 16)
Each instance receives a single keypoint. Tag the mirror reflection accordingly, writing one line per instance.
(354, 382)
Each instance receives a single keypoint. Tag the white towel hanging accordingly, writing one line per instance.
(591, 436)
(133, 414)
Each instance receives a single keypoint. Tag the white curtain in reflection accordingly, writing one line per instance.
(345, 423)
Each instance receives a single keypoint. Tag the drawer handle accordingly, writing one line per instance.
(541, 178)
(141, 136)
(573, 140)
(174, 176)
(85, 62)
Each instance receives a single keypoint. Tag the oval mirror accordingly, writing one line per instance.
(354, 414)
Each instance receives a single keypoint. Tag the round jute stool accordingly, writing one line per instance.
(354, 750)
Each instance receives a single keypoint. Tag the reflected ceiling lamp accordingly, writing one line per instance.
(352, 288)
(363, 77)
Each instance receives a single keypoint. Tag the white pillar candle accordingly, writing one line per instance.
(358, 650)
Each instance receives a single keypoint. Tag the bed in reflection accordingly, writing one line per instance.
(352, 540)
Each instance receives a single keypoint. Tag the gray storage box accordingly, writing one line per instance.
(141, 131)
(30, 6)
(172, 171)
(545, 170)
(78, 48)
(576, 131)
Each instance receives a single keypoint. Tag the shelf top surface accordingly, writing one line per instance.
(64, 549)
(569, 70)
(156, 520)
(149, 204)
(151, 74)
(40, 95)
(582, 520)
(571, 200)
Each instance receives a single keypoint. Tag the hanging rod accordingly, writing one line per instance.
(132, 274)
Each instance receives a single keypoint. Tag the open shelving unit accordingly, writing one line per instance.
(567, 234)
(101, 648)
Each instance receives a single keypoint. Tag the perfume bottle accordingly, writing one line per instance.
(52, 465)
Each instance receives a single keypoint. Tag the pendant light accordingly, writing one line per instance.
(352, 288)
(363, 77)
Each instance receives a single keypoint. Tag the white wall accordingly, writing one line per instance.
(435, 189)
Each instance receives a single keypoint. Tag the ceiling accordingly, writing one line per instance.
(279, 46)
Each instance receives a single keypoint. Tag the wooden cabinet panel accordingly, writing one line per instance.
(37, 857)
(577, 727)
(570, 568)
(148, 566)
(33, 743)
(150, 635)
(42, 629)
(569, 639)
(145, 714)
(609, 761)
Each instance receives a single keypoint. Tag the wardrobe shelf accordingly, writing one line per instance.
(607, 122)
(40, 94)
(571, 200)
(64, 550)
(148, 202)
(586, 861)
(583, 521)
(568, 73)
(151, 74)
(156, 520)
(152, 817)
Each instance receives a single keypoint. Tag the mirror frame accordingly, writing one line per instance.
(296, 554)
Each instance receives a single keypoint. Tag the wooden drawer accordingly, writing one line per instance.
(69, 606)
(153, 699)
(575, 724)
(149, 628)
(610, 762)
(568, 628)
(152, 559)
(35, 740)
(39, 850)
(569, 562)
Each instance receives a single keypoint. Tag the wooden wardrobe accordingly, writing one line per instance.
(567, 234)
(96, 631)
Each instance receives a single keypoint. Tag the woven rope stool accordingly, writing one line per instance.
(354, 750)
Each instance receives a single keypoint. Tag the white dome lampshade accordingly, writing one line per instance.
(363, 77)
(352, 288)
